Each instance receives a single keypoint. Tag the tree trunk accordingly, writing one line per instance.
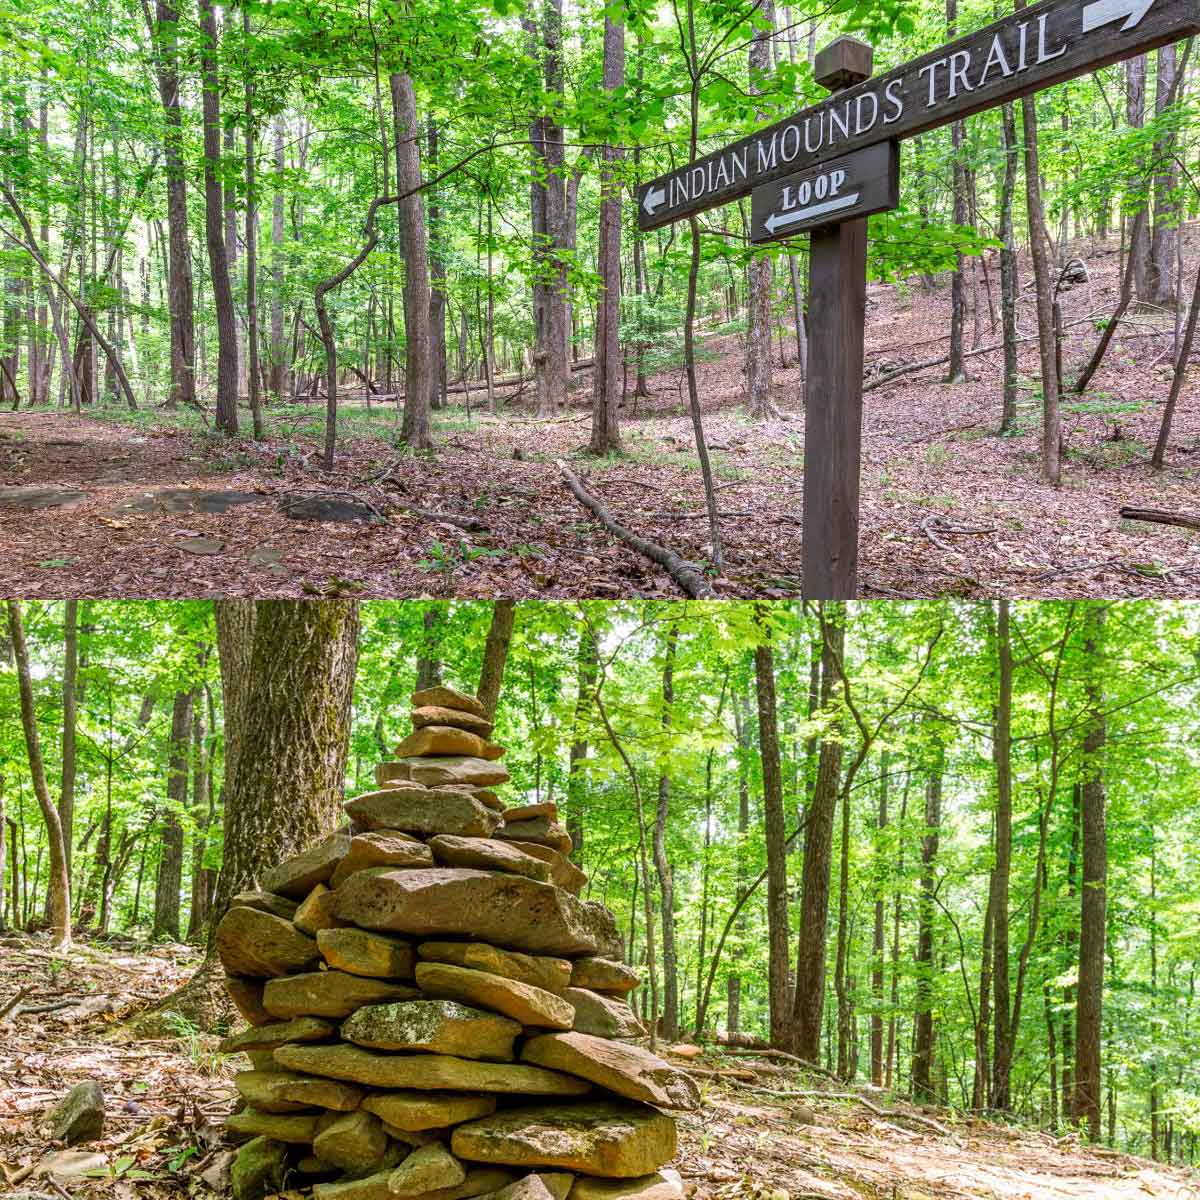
(662, 866)
(1135, 115)
(587, 663)
(418, 364)
(429, 663)
(218, 259)
(1002, 1055)
(957, 372)
(66, 800)
(495, 655)
(279, 371)
(733, 983)
(1009, 285)
(759, 272)
(877, 944)
(60, 878)
(170, 863)
(1093, 908)
(253, 381)
(923, 1035)
(840, 986)
(203, 813)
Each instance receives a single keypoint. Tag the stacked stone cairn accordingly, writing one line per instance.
(434, 1012)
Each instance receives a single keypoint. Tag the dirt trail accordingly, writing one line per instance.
(166, 1098)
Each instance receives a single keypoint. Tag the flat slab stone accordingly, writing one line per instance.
(189, 500)
(563, 872)
(298, 1128)
(279, 906)
(198, 545)
(454, 768)
(414, 1111)
(488, 854)
(551, 974)
(630, 1071)
(613, 1139)
(541, 830)
(527, 812)
(479, 1181)
(433, 1072)
(437, 1026)
(277, 1033)
(604, 975)
(603, 1016)
(287, 1091)
(437, 810)
(298, 875)
(381, 848)
(521, 1001)
(361, 952)
(246, 995)
(662, 1185)
(426, 1170)
(31, 499)
(316, 911)
(259, 945)
(436, 714)
(258, 1169)
(447, 697)
(431, 740)
(326, 508)
(505, 910)
(354, 1141)
(329, 994)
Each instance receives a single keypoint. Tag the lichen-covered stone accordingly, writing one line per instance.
(431, 740)
(79, 1116)
(488, 854)
(297, 1128)
(260, 945)
(437, 810)
(603, 1016)
(355, 1141)
(414, 1111)
(426, 1170)
(288, 1091)
(279, 906)
(563, 872)
(505, 910)
(662, 1185)
(522, 1001)
(436, 1026)
(316, 911)
(267, 1037)
(381, 848)
(454, 768)
(247, 995)
(551, 974)
(258, 1169)
(329, 994)
(629, 1071)
(541, 831)
(298, 875)
(361, 952)
(603, 975)
(435, 1072)
(613, 1139)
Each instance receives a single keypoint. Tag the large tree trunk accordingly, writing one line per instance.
(1093, 907)
(60, 878)
(418, 364)
(495, 655)
(662, 866)
(1163, 286)
(923, 1035)
(587, 663)
(776, 837)
(1009, 286)
(759, 272)
(809, 1004)
(218, 259)
(203, 814)
(1135, 115)
(437, 284)
(733, 982)
(170, 862)
(608, 376)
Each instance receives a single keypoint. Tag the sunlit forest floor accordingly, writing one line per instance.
(166, 1098)
(120, 504)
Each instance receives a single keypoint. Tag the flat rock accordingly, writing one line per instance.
(602, 926)
(550, 974)
(447, 697)
(433, 1072)
(479, 1181)
(426, 1170)
(298, 875)
(541, 830)
(326, 508)
(437, 1026)
(436, 714)
(381, 848)
(528, 1187)
(603, 975)
(31, 499)
(289, 1091)
(279, 906)
(601, 1015)
(630, 1071)
(614, 1139)
(297, 1128)
(433, 740)
(505, 910)
(414, 1111)
(258, 1169)
(361, 952)
(247, 995)
(662, 1185)
(328, 994)
(563, 872)
(267, 1037)
(483, 795)
(527, 812)
(488, 854)
(522, 1001)
(355, 1141)
(316, 911)
(436, 810)
(454, 768)
(258, 944)
(79, 1116)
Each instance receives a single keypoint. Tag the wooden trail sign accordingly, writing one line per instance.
(1025, 52)
(855, 185)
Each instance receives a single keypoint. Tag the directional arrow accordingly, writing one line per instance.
(655, 198)
(777, 220)
(1103, 12)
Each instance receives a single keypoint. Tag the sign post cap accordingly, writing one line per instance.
(843, 63)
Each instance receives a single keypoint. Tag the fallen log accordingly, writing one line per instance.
(687, 575)
(1161, 516)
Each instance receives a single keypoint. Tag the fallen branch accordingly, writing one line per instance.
(15, 1002)
(786, 1057)
(1161, 516)
(886, 1114)
(684, 573)
(470, 524)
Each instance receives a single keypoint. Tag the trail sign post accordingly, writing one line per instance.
(1025, 52)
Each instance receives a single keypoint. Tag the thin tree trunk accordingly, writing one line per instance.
(495, 655)
(168, 884)
(662, 866)
(923, 1028)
